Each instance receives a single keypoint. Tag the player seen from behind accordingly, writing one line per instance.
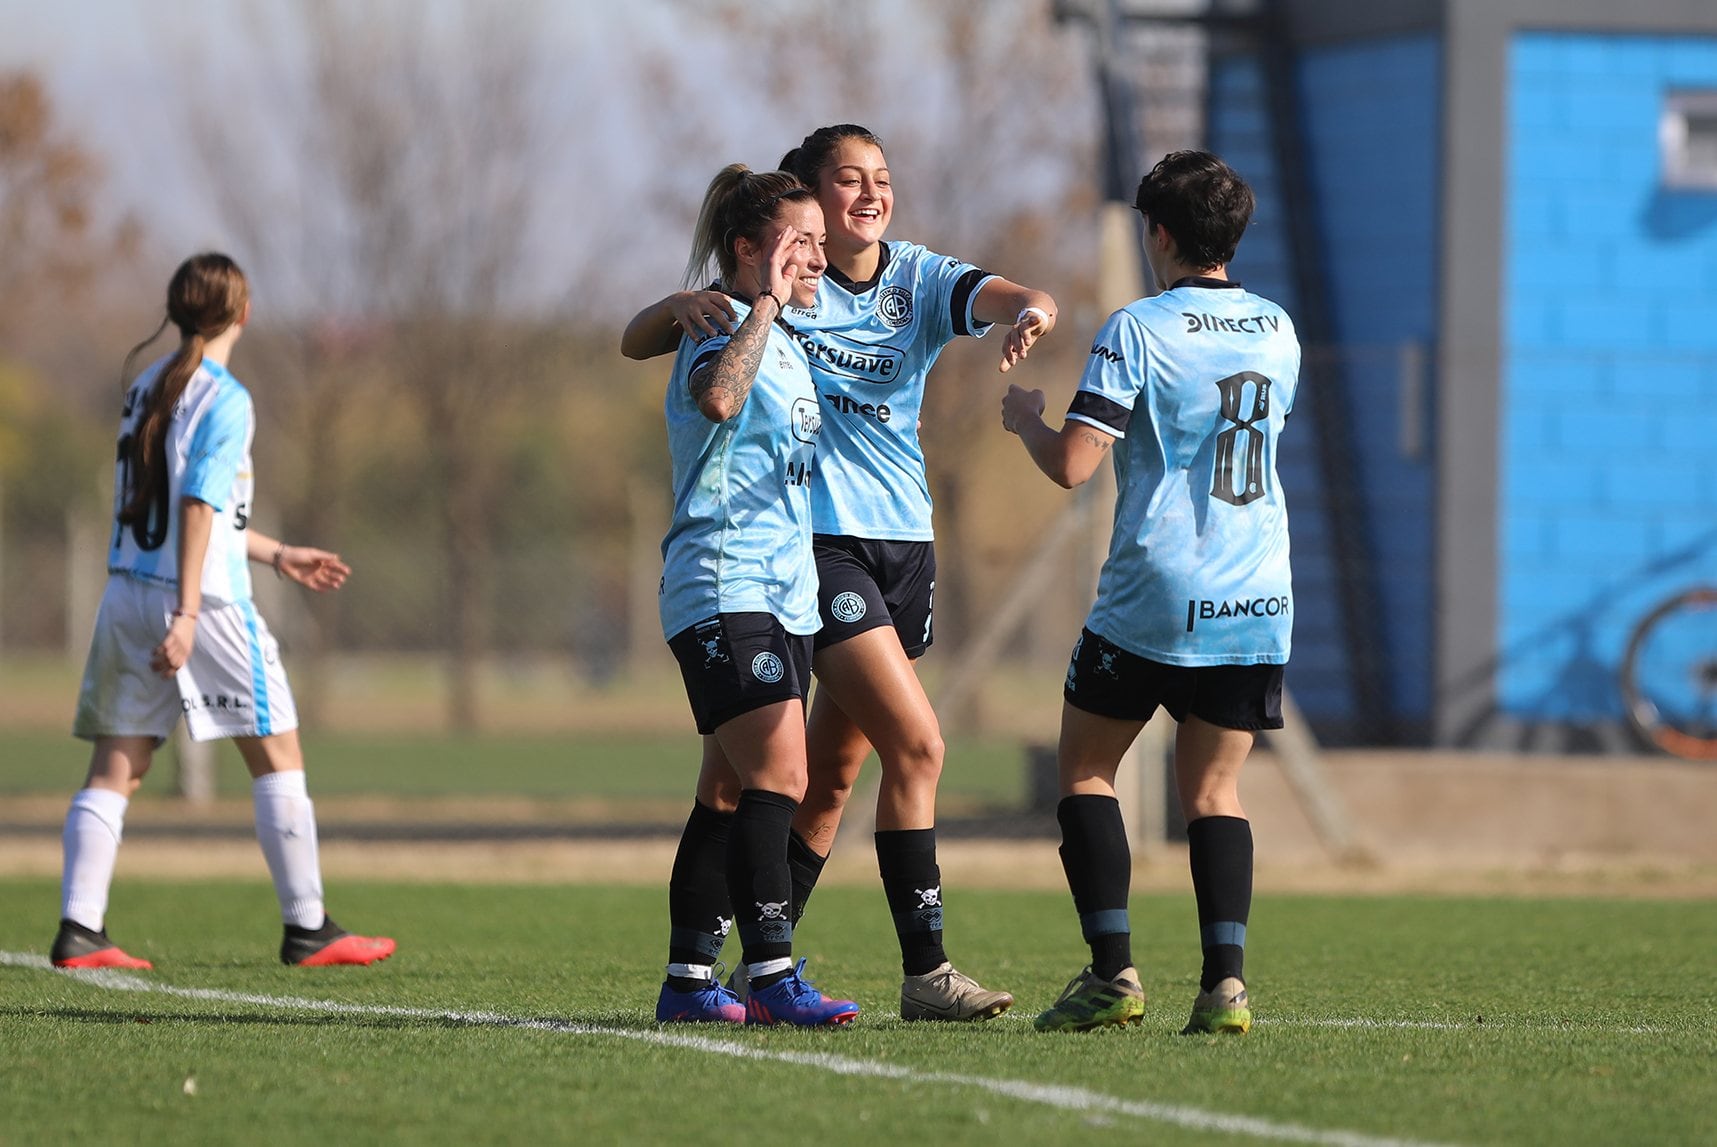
(177, 630)
(1194, 605)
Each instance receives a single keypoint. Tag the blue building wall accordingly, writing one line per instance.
(1238, 129)
(1608, 411)
(1377, 232)
(1380, 100)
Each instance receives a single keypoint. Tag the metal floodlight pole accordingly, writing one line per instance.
(1118, 163)
(1142, 778)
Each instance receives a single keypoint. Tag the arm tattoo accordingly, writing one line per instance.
(735, 368)
(701, 381)
(1100, 441)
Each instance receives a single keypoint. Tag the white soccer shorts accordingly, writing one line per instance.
(232, 686)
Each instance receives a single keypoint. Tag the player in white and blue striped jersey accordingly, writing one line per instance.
(884, 314)
(1194, 612)
(177, 632)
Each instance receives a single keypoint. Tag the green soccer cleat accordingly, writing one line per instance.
(1089, 1002)
(1223, 1010)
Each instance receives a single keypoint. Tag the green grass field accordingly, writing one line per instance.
(523, 1015)
(977, 773)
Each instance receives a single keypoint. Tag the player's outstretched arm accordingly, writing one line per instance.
(314, 569)
(1029, 314)
(1069, 457)
(656, 329)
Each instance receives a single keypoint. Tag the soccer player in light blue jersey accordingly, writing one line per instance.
(882, 317)
(739, 603)
(177, 631)
(1194, 610)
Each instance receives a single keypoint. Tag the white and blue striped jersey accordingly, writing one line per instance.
(207, 458)
(1195, 383)
(871, 346)
(740, 540)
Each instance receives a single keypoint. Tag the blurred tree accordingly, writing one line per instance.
(56, 248)
(383, 183)
(51, 243)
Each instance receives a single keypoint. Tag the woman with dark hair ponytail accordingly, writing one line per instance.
(177, 632)
(879, 322)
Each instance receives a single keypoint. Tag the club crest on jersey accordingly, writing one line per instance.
(767, 668)
(848, 607)
(894, 306)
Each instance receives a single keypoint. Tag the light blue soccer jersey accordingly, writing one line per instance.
(1196, 383)
(207, 458)
(740, 541)
(871, 346)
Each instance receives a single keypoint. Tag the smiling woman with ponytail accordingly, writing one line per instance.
(177, 632)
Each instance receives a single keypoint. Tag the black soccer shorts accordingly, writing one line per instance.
(733, 663)
(864, 584)
(1109, 681)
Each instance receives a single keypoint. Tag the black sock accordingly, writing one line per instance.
(913, 884)
(759, 884)
(698, 912)
(1221, 854)
(806, 866)
(1099, 868)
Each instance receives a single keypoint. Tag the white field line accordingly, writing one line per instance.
(1075, 1099)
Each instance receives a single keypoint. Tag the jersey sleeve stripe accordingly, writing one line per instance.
(1103, 413)
(706, 355)
(960, 301)
(217, 447)
(1109, 430)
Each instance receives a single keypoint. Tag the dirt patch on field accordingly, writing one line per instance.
(1423, 822)
(1013, 864)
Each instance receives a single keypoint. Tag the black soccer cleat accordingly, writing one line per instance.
(331, 944)
(77, 947)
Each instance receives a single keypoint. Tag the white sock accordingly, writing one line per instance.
(95, 824)
(767, 967)
(692, 971)
(286, 829)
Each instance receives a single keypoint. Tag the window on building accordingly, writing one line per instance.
(1688, 139)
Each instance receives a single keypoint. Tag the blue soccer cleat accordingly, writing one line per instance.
(709, 1004)
(792, 1000)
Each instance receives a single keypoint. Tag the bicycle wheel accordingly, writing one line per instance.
(1669, 676)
